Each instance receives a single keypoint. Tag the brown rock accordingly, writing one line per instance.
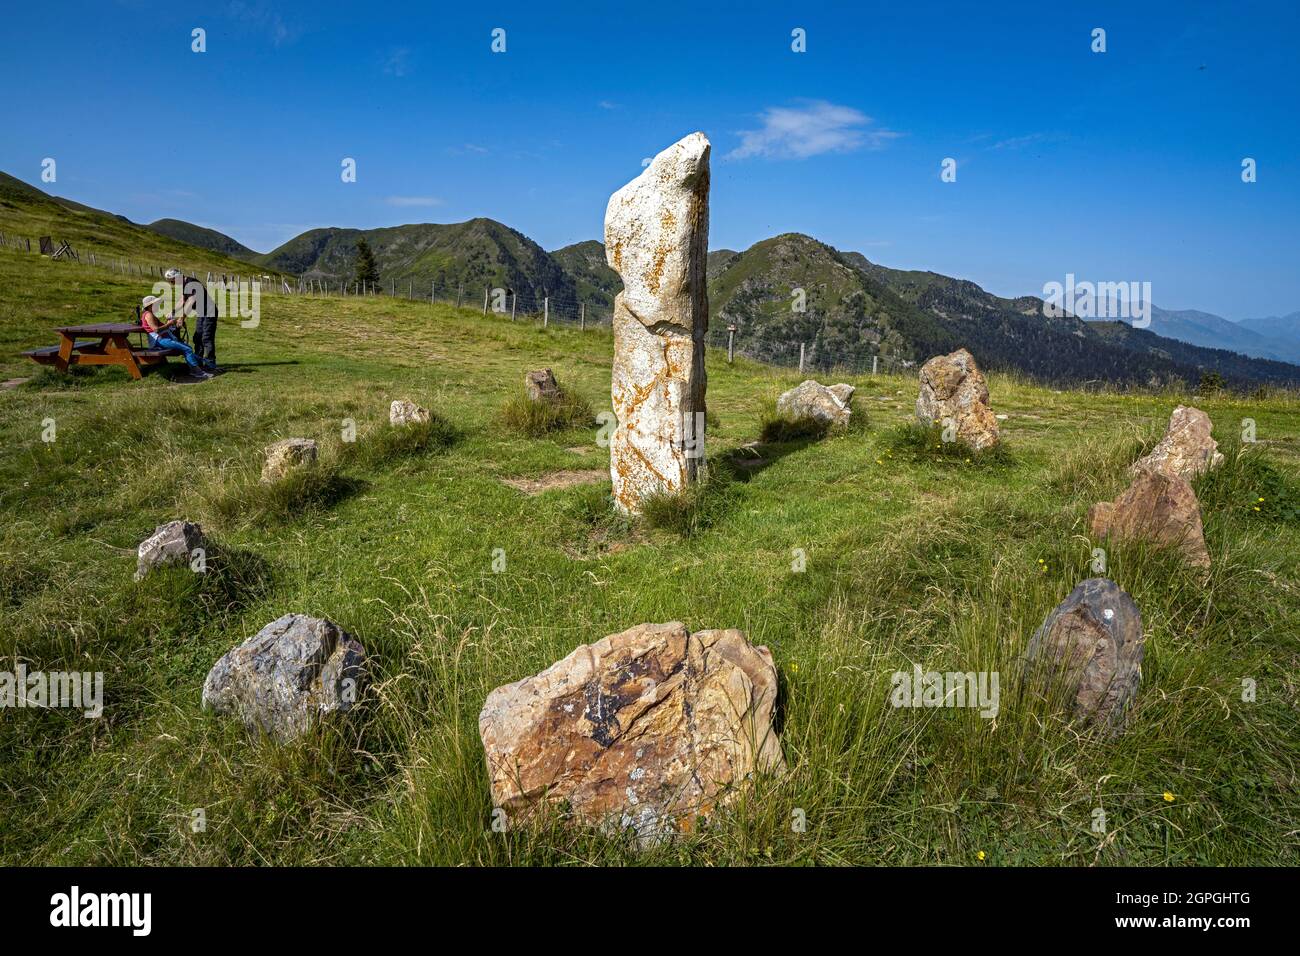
(952, 387)
(1093, 641)
(1187, 449)
(541, 386)
(649, 729)
(1156, 507)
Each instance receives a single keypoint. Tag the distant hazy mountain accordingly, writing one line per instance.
(1212, 331)
(1285, 329)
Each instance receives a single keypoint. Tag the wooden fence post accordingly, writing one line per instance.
(801, 358)
(731, 343)
(582, 317)
(546, 311)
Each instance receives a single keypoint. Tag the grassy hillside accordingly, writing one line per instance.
(29, 212)
(912, 556)
(855, 308)
(596, 281)
(204, 238)
(473, 255)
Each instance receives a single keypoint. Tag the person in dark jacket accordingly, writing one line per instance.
(196, 302)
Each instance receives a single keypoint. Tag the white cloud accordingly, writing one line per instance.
(406, 201)
(816, 127)
(607, 105)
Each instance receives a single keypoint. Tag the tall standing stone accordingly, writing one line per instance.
(657, 240)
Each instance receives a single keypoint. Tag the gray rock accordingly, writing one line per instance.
(405, 412)
(843, 391)
(812, 400)
(288, 675)
(287, 455)
(541, 385)
(1093, 642)
(171, 543)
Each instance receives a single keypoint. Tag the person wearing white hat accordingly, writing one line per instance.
(197, 303)
(159, 332)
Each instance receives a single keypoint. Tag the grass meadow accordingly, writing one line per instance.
(913, 555)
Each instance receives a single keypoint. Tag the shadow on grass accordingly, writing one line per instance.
(305, 492)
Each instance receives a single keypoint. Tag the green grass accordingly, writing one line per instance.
(912, 555)
(534, 419)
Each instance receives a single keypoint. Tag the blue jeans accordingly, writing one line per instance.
(167, 342)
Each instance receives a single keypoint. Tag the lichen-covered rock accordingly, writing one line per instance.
(816, 402)
(844, 392)
(1187, 449)
(288, 675)
(541, 386)
(649, 729)
(1157, 507)
(952, 387)
(657, 240)
(1093, 643)
(405, 412)
(172, 543)
(286, 455)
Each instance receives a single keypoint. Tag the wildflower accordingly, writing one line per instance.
(980, 855)
(1169, 797)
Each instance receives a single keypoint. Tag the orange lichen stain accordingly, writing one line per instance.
(617, 254)
(655, 276)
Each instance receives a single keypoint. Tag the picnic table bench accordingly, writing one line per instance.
(105, 343)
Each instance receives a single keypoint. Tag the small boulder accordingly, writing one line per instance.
(404, 412)
(649, 729)
(288, 675)
(541, 386)
(171, 543)
(843, 391)
(816, 402)
(952, 387)
(1187, 449)
(1156, 507)
(1093, 641)
(287, 455)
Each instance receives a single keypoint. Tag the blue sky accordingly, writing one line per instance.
(1115, 166)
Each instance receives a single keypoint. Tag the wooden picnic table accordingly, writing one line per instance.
(105, 343)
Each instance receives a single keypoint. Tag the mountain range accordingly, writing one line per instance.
(780, 293)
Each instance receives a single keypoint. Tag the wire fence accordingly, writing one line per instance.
(811, 357)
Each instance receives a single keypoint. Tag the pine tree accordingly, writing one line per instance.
(367, 269)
